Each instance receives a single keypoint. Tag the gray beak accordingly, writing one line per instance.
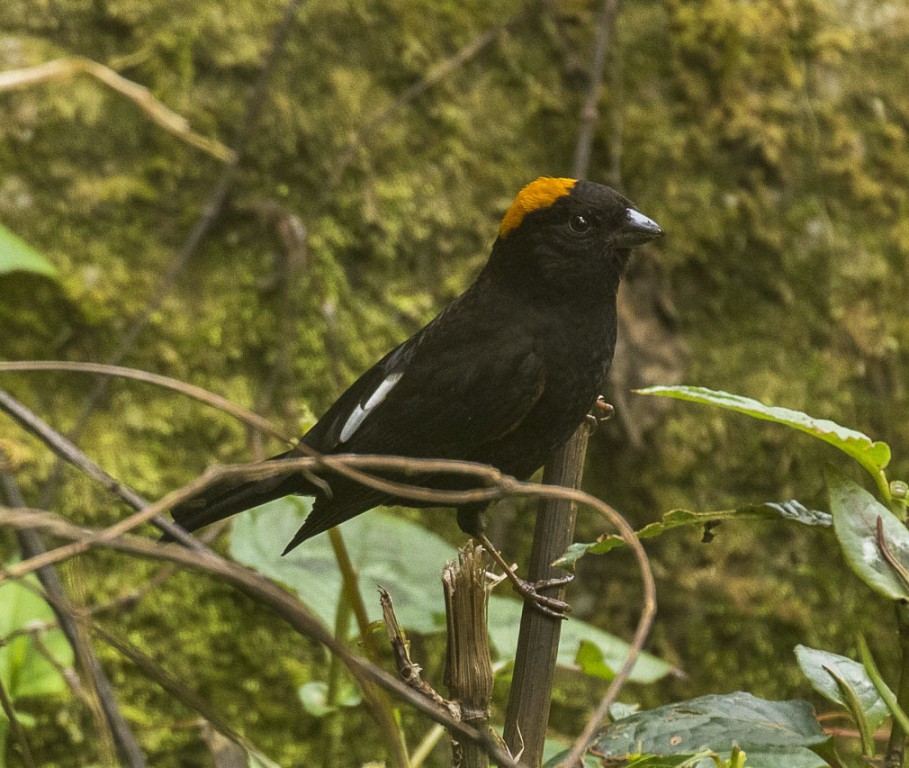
(637, 229)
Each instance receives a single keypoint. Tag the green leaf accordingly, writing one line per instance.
(591, 662)
(385, 550)
(382, 548)
(24, 671)
(855, 520)
(873, 455)
(681, 518)
(814, 664)
(314, 697)
(16, 254)
(786, 730)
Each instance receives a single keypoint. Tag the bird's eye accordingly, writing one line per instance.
(579, 224)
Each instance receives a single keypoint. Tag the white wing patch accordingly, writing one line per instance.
(362, 411)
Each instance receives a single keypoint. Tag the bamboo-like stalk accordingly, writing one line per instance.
(538, 643)
(468, 667)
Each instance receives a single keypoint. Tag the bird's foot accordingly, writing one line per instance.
(602, 411)
(530, 592)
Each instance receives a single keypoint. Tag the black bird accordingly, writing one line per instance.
(503, 376)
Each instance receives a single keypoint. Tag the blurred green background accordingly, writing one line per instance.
(767, 137)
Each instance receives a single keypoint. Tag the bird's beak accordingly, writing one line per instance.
(637, 229)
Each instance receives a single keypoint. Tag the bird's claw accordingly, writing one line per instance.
(602, 411)
(551, 606)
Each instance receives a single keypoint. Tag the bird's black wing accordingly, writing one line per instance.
(444, 393)
(441, 394)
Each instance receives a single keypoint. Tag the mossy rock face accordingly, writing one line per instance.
(768, 139)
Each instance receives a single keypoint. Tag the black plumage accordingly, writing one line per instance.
(503, 376)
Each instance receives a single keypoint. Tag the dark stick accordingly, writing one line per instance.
(30, 544)
(538, 642)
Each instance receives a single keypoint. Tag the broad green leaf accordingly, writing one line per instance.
(385, 550)
(784, 729)
(814, 664)
(24, 671)
(405, 559)
(873, 455)
(16, 254)
(855, 521)
(680, 518)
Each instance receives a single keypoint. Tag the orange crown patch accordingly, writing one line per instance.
(538, 194)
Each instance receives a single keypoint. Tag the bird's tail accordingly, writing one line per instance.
(220, 501)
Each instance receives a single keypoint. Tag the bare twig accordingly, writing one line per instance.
(408, 670)
(209, 398)
(66, 450)
(140, 96)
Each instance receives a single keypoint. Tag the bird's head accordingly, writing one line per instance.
(568, 231)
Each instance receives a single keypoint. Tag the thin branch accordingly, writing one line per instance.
(68, 451)
(159, 113)
(197, 393)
